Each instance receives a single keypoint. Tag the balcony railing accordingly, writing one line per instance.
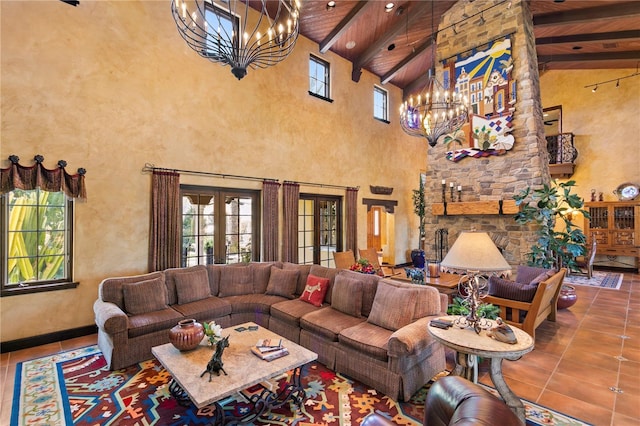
(562, 154)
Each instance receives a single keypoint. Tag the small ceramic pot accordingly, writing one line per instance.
(187, 335)
(567, 296)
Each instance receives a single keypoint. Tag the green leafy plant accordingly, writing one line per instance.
(460, 306)
(419, 207)
(556, 246)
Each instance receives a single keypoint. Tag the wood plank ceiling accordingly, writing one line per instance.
(395, 45)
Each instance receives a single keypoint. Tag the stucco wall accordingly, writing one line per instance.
(110, 86)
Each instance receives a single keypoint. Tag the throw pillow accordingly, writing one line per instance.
(144, 296)
(346, 296)
(235, 280)
(543, 276)
(283, 282)
(192, 285)
(315, 290)
(511, 290)
(393, 307)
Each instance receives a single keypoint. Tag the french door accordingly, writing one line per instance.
(319, 228)
(219, 225)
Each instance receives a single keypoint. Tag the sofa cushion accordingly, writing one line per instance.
(290, 311)
(304, 273)
(393, 307)
(235, 280)
(214, 278)
(511, 290)
(369, 287)
(144, 296)
(324, 272)
(110, 289)
(205, 309)
(347, 296)
(191, 285)
(328, 322)
(283, 282)
(367, 338)
(256, 303)
(157, 321)
(315, 290)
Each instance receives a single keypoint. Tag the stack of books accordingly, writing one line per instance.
(269, 349)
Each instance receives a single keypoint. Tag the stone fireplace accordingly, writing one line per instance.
(497, 177)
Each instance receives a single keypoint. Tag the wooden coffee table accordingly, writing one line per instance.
(469, 346)
(446, 283)
(244, 370)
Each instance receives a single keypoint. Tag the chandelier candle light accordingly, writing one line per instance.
(432, 115)
(232, 32)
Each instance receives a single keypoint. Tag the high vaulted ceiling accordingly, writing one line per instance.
(396, 45)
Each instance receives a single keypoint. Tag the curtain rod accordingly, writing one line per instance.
(148, 167)
(323, 185)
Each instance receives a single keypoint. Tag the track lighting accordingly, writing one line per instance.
(594, 89)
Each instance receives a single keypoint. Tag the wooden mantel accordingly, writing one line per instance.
(474, 208)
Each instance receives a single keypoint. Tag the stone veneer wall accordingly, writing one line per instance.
(494, 177)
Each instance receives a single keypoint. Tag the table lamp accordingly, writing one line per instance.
(473, 254)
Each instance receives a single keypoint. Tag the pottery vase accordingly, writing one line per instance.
(567, 296)
(418, 258)
(186, 335)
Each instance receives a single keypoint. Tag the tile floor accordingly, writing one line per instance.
(581, 365)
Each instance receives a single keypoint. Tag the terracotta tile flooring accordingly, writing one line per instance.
(586, 365)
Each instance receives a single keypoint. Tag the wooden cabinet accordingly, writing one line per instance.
(616, 227)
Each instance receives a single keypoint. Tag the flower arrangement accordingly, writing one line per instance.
(213, 332)
(363, 266)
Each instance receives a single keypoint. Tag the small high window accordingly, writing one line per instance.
(380, 104)
(319, 78)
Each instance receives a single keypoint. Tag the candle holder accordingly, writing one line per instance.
(459, 195)
(452, 198)
(443, 193)
(433, 268)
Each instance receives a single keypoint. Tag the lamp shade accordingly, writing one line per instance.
(475, 251)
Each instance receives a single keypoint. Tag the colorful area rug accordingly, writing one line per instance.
(611, 280)
(75, 388)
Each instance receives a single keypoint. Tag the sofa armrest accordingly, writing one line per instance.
(410, 339)
(444, 303)
(110, 317)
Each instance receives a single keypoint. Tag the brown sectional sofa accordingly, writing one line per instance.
(369, 328)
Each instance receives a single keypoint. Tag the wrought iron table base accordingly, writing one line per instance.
(260, 403)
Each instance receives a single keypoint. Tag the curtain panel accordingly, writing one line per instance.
(17, 176)
(270, 220)
(166, 221)
(351, 218)
(291, 196)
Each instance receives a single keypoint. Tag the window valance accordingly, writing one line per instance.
(17, 176)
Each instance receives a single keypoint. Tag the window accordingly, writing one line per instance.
(319, 229)
(227, 26)
(219, 225)
(380, 104)
(318, 77)
(37, 248)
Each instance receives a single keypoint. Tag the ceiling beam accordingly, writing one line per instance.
(590, 57)
(344, 25)
(619, 10)
(406, 61)
(581, 38)
(415, 11)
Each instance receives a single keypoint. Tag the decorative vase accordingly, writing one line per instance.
(418, 258)
(567, 296)
(187, 335)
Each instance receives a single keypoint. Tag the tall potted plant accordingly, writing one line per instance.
(557, 245)
(417, 255)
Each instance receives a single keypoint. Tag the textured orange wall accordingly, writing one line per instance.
(110, 86)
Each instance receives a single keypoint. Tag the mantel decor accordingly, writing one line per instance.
(233, 33)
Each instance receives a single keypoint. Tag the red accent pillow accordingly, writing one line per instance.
(315, 290)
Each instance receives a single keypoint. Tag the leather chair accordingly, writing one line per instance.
(453, 400)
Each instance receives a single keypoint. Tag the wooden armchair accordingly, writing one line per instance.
(585, 263)
(344, 259)
(529, 315)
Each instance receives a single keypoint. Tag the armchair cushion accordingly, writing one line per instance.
(511, 290)
(145, 296)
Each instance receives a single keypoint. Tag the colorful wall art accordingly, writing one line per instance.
(484, 77)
